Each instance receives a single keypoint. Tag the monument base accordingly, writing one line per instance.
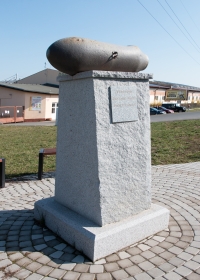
(95, 241)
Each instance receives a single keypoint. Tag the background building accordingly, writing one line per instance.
(34, 98)
(161, 92)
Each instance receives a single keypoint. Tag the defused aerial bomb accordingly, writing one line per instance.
(73, 55)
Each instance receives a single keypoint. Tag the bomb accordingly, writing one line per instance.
(73, 55)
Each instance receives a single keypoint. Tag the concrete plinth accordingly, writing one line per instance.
(103, 168)
(95, 241)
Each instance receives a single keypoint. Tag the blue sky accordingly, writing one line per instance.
(27, 28)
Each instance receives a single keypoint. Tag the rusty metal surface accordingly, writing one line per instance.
(73, 55)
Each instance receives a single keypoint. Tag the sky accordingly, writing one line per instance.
(168, 31)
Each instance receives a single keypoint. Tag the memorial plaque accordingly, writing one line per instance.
(124, 103)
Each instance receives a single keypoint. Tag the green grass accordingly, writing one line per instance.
(172, 142)
(175, 142)
(20, 147)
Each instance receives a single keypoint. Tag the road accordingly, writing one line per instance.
(176, 116)
(155, 118)
(45, 123)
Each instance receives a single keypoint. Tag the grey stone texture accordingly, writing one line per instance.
(97, 242)
(103, 169)
(176, 186)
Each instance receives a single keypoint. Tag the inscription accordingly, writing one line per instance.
(124, 104)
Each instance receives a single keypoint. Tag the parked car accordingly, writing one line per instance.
(174, 106)
(154, 111)
(168, 111)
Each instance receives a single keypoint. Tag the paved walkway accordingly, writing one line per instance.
(28, 251)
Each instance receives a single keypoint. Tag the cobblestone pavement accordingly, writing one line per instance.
(28, 251)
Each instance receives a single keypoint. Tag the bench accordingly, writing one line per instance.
(2, 172)
(42, 154)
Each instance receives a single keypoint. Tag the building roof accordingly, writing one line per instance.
(32, 88)
(167, 85)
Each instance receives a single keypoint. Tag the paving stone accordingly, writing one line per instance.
(33, 266)
(34, 256)
(78, 259)
(143, 276)
(112, 258)
(124, 255)
(192, 250)
(101, 261)
(71, 275)
(81, 268)
(182, 270)
(176, 234)
(23, 273)
(134, 251)
(157, 260)
(173, 276)
(167, 255)
(119, 274)
(24, 244)
(34, 276)
(57, 273)
(175, 250)
(155, 272)
(110, 267)
(12, 268)
(137, 259)
(60, 246)
(49, 238)
(68, 266)
(53, 264)
(125, 263)
(167, 267)
(69, 249)
(193, 276)
(192, 265)
(146, 265)
(23, 262)
(44, 270)
(104, 276)
(147, 254)
(96, 268)
(11, 244)
(3, 256)
(159, 238)
(43, 259)
(48, 251)
(133, 270)
(187, 239)
(87, 276)
(172, 239)
(185, 256)
(56, 255)
(40, 247)
(143, 247)
(151, 243)
(4, 263)
(176, 261)
(196, 258)
(165, 245)
(157, 250)
(182, 244)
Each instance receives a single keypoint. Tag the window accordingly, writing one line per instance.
(54, 107)
(163, 97)
(156, 97)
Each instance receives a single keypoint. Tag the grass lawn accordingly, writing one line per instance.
(172, 142)
(20, 147)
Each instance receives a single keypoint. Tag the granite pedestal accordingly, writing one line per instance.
(102, 197)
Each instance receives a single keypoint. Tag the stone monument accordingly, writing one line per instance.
(102, 199)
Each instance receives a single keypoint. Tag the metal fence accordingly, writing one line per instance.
(9, 114)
